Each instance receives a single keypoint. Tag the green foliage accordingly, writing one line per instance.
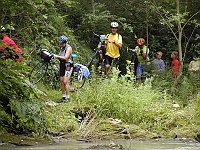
(60, 119)
(197, 107)
(18, 100)
(39, 23)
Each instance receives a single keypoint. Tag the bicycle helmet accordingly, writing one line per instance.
(141, 41)
(62, 39)
(114, 25)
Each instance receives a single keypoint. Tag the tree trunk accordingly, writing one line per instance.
(94, 12)
(180, 30)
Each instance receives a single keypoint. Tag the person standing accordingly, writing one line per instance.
(142, 57)
(175, 64)
(194, 65)
(158, 63)
(8, 47)
(113, 45)
(65, 58)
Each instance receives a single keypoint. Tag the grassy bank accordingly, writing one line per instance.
(116, 108)
(110, 108)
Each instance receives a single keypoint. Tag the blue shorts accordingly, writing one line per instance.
(140, 69)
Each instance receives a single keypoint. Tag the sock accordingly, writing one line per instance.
(67, 96)
(64, 96)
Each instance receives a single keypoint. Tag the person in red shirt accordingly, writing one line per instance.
(175, 64)
(9, 47)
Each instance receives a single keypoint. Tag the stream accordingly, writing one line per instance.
(171, 144)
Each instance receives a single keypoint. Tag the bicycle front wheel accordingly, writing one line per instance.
(77, 81)
(38, 72)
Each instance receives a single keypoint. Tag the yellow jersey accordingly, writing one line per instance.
(111, 49)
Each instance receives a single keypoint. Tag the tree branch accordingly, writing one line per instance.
(190, 18)
(164, 20)
(186, 45)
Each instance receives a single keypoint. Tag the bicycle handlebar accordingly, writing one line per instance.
(96, 34)
(102, 37)
(130, 49)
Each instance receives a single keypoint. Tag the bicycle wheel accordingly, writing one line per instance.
(77, 81)
(52, 77)
(38, 72)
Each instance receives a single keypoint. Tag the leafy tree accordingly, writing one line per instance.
(176, 20)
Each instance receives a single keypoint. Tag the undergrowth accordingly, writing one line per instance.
(151, 106)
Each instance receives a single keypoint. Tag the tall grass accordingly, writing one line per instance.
(149, 105)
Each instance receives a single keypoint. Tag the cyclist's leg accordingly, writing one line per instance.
(108, 61)
(64, 80)
(144, 71)
(138, 72)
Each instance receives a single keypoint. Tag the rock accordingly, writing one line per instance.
(114, 121)
(51, 103)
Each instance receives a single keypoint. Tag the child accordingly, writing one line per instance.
(158, 63)
(194, 65)
(175, 65)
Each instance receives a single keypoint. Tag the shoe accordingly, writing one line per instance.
(62, 100)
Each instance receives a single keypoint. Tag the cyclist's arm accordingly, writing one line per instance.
(144, 53)
(67, 54)
(118, 43)
(162, 68)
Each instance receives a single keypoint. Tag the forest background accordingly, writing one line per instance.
(167, 25)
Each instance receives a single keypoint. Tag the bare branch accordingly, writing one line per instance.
(190, 18)
(164, 20)
(186, 45)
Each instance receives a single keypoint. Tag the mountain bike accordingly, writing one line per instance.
(47, 71)
(99, 55)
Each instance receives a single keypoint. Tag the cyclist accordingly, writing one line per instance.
(8, 47)
(65, 58)
(142, 57)
(113, 44)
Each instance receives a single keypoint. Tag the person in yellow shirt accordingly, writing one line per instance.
(142, 55)
(112, 44)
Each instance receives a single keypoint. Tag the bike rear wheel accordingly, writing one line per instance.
(38, 72)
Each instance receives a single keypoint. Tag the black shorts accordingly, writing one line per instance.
(108, 60)
(65, 69)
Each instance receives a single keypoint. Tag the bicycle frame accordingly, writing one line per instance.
(99, 52)
(133, 60)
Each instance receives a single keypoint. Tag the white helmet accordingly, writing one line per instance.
(114, 25)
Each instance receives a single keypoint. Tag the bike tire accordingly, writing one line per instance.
(52, 79)
(38, 72)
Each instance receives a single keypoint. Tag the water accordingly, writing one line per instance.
(127, 144)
